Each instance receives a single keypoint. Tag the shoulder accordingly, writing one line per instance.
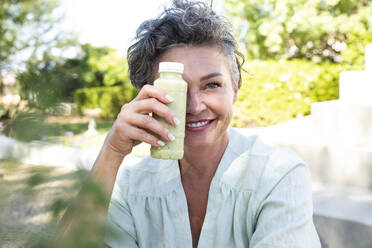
(259, 167)
(148, 177)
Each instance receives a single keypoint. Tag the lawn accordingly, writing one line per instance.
(77, 125)
(64, 130)
(72, 132)
(69, 131)
(28, 197)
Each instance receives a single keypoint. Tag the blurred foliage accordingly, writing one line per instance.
(103, 67)
(312, 41)
(274, 91)
(27, 126)
(51, 80)
(30, 35)
(46, 84)
(48, 192)
(92, 200)
(317, 30)
(98, 71)
(107, 83)
(108, 99)
(34, 126)
(29, 26)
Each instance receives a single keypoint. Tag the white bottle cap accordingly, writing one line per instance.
(170, 67)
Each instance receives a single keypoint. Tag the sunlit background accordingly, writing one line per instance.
(109, 23)
(63, 78)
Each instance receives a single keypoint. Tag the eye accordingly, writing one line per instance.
(213, 85)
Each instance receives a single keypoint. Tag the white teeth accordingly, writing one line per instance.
(197, 124)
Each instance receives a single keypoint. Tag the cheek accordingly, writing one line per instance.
(228, 106)
(223, 105)
(229, 112)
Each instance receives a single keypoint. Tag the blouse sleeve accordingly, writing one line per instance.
(284, 214)
(121, 231)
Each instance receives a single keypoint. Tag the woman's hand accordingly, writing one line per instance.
(134, 124)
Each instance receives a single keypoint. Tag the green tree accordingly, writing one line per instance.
(31, 39)
(320, 30)
(103, 67)
(99, 70)
(29, 27)
(48, 81)
(106, 81)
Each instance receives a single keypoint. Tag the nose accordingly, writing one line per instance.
(195, 104)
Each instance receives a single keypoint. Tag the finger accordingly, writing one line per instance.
(152, 105)
(150, 91)
(149, 123)
(138, 134)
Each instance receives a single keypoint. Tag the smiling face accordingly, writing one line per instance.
(210, 96)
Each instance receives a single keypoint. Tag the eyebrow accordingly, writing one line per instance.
(211, 75)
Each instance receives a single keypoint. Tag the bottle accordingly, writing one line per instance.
(171, 81)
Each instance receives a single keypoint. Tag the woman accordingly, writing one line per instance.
(228, 190)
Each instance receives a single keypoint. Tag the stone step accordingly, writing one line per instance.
(368, 57)
(356, 87)
(334, 161)
(340, 120)
(343, 216)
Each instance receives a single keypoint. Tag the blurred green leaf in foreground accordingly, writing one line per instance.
(33, 200)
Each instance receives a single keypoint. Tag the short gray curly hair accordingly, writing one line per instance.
(184, 23)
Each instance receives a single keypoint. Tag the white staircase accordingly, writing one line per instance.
(336, 142)
(349, 119)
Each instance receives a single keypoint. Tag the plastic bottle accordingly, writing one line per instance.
(171, 81)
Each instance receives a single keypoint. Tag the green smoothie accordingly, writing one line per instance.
(171, 81)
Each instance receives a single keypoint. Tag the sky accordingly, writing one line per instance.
(110, 23)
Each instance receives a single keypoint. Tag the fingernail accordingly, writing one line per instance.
(160, 143)
(171, 137)
(176, 121)
(169, 98)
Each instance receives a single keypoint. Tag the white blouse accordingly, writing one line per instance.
(260, 196)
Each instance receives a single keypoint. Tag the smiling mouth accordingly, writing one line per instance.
(198, 124)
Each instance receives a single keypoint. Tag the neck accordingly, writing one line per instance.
(203, 162)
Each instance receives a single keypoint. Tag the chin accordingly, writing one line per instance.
(196, 143)
(199, 141)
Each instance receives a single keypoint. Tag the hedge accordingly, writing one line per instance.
(109, 99)
(277, 91)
